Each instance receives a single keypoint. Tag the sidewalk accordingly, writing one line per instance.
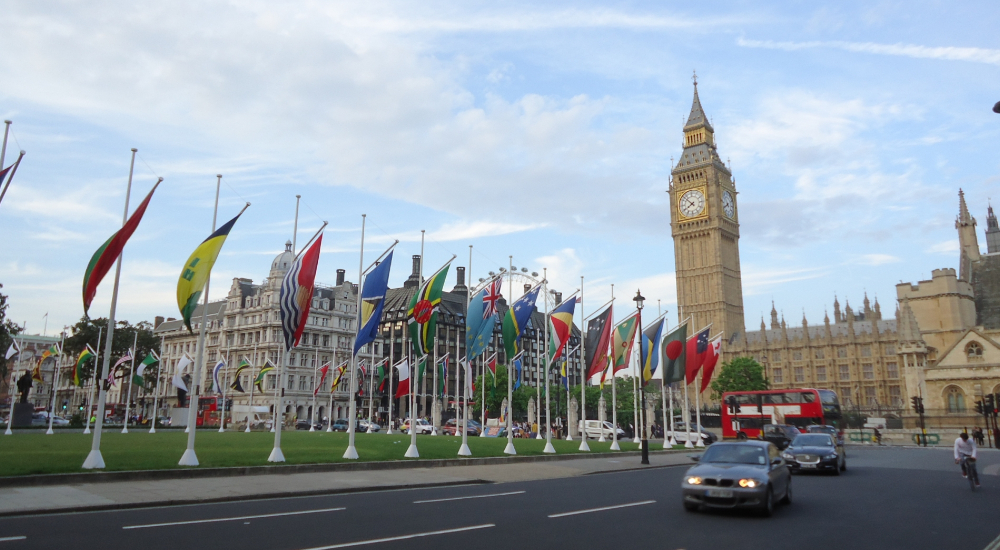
(74, 497)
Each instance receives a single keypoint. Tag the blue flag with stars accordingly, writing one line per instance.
(516, 319)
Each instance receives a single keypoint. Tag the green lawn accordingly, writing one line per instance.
(36, 453)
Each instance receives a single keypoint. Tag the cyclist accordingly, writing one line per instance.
(965, 448)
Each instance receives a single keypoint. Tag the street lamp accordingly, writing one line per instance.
(639, 301)
(996, 108)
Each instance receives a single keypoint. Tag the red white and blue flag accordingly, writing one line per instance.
(697, 348)
(296, 294)
(491, 298)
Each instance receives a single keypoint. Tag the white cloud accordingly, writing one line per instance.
(758, 280)
(878, 259)
(949, 53)
(950, 247)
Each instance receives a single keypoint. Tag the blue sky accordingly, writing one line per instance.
(539, 130)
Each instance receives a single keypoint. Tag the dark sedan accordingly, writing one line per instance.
(747, 474)
(816, 452)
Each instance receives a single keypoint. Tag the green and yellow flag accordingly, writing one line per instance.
(236, 385)
(422, 313)
(259, 381)
(198, 269)
(623, 336)
(85, 355)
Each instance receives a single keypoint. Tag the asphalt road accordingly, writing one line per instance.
(889, 498)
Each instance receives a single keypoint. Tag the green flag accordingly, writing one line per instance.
(150, 360)
(422, 313)
(674, 354)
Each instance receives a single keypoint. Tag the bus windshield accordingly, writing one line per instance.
(828, 397)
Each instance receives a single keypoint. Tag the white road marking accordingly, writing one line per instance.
(994, 545)
(564, 514)
(473, 496)
(7, 539)
(403, 537)
(233, 519)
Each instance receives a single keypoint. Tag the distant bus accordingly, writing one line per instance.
(745, 413)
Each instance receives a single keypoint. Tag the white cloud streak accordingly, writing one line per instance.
(948, 53)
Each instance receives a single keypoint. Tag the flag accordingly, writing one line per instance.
(470, 385)
(624, 336)
(372, 301)
(491, 365)
(13, 350)
(674, 354)
(216, 385)
(338, 373)
(491, 298)
(105, 257)
(422, 313)
(597, 342)
(296, 294)
(197, 270)
(361, 376)
(479, 324)
(517, 318)
(237, 385)
(403, 388)
(697, 345)
(182, 363)
(517, 370)
(119, 364)
(380, 375)
(649, 351)
(560, 327)
(36, 373)
(151, 359)
(711, 358)
(85, 355)
(322, 377)
(443, 373)
(259, 380)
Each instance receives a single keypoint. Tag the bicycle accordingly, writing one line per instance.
(969, 467)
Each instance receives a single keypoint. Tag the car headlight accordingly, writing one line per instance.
(749, 483)
(694, 480)
(788, 456)
(831, 455)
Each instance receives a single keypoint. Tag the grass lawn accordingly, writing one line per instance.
(36, 453)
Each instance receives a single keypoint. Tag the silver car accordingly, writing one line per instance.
(746, 474)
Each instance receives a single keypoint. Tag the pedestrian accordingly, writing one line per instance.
(977, 433)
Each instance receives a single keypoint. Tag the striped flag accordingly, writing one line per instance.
(296, 294)
(322, 377)
(86, 355)
(216, 385)
(237, 385)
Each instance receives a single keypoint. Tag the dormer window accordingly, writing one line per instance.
(974, 350)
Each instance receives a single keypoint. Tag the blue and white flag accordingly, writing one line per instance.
(216, 385)
(372, 301)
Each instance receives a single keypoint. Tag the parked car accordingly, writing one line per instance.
(779, 434)
(744, 474)
(827, 429)
(596, 428)
(363, 426)
(422, 427)
(815, 452)
(304, 425)
(449, 428)
(340, 425)
(42, 419)
(680, 434)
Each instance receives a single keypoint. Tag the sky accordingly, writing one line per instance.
(542, 131)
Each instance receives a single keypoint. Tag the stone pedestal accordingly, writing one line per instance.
(650, 412)
(436, 414)
(574, 417)
(531, 410)
(22, 415)
(602, 410)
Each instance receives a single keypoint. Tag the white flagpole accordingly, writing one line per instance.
(3, 150)
(93, 381)
(224, 383)
(316, 386)
(614, 391)
(329, 414)
(464, 449)
(548, 365)
(482, 405)
(252, 367)
(371, 383)
(131, 372)
(13, 375)
(697, 409)
(55, 385)
(687, 418)
(156, 391)
(94, 458)
(635, 402)
(389, 393)
(189, 458)
(412, 451)
(584, 380)
(510, 450)
(352, 453)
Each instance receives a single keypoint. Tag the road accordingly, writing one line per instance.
(889, 498)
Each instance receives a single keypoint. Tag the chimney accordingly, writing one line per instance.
(157, 321)
(527, 288)
(414, 279)
(558, 297)
(460, 281)
(340, 276)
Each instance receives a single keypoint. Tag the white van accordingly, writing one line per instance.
(595, 428)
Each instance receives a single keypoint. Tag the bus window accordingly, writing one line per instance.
(808, 397)
(828, 397)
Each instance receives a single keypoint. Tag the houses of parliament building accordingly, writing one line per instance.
(942, 343)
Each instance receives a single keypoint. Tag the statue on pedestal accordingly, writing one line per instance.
(573, 418)
(24, 386)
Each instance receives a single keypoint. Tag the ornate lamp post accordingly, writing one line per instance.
(639, 301)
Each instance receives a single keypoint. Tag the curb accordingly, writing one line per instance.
(196, 473)
(235, 498)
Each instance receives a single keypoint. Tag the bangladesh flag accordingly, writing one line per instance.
(624, 336)
(422, 313)
(674, 357)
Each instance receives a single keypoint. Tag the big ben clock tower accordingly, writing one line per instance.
(704, 222)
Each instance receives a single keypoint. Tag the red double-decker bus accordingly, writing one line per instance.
(745, 413)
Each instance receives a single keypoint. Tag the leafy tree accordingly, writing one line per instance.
(8, 329)
(86, 330)
(739, 374)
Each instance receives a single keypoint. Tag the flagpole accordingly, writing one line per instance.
(156, 391)
(329, 414)
(224, 384)
(316, 385)
(94, 458)
(614, 392)
(583, 377)
(3, 151)
(93, 380)
(131, 372)
(464, 449)
(391, 395)
(412, 451)
(252, 377)
(55, 385)
(697, 409)
(548, 365)
(352, 453)
(371, 382)
(635, 392)
(510, 450)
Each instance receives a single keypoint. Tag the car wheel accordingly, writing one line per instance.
(788, 493)
(690, 507)
(741, 436)
(768, 508)
(843, 466)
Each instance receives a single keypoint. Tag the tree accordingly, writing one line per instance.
(739, 374)
(86, 330)
(8, 329)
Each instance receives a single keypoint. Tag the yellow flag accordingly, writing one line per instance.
(198, 268)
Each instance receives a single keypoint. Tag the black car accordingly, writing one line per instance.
(815, 452)
(779, 434)
(304, 425)
(745, 474)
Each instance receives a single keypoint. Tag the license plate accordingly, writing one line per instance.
(808, 465)
(720, 493)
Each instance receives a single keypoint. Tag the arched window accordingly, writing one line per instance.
(955, 399)
(974, 350)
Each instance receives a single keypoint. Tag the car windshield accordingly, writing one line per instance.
(813, 440)
(735, 454)
(822, 430)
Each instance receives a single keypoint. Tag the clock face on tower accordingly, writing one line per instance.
(692, 203)
(728, 205)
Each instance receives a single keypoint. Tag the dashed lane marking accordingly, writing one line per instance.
(468, 497)
(215, 520)
(403, 537)
(564, 514)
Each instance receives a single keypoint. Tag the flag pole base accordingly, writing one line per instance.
(125, 430)
(222, 429)
(549, 449)
(8, 432)
(272, 429)
(539, 435)
(615, 446)
(369, 430)
(464, 450)
(248, 428)
(667, 444)
(85, 430)
(329, 429)
(569, 437)
(510, 450)
(434, 431)
(276, 455)
(388, 431)
(601, 439)
(584, 447)
(483, 433)
(412, 452)
(94, 461)
(688, 445)
(312, 428)
(700, 443)
(351, 453)
(49, 431)
(188, 458)
(187, 429)
(636, 440)
(151, 430)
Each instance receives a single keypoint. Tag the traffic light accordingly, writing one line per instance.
(65, 404)
(988, 402)
(996, 403)
(918, 404)
(979, 407)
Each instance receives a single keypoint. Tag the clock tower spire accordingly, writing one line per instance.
(704, 223)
